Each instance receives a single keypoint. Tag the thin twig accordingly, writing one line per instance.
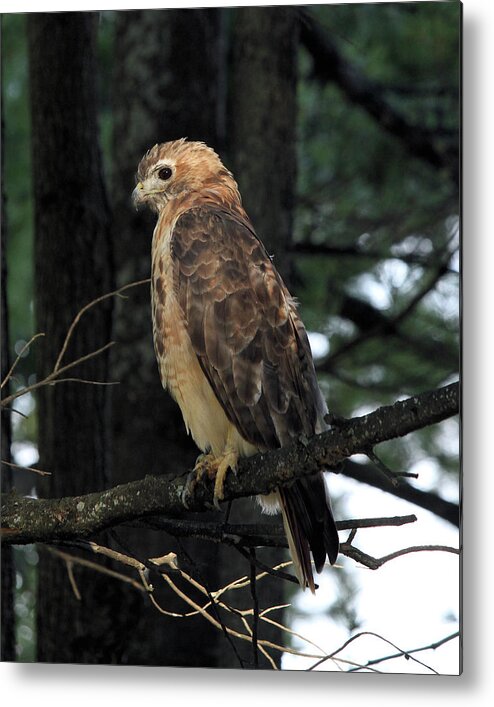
(390, 475)
(52, 377)
(213, 603)
(29, 468)
(431, 646)
(359, 635)
(255, 606)
(263, 617)
(391, 323)
(19, 356)
(70, 571)
(375, 563)
(268, 570)
(232, 632)
(418, 548)
(17, 412)
(170, 561)
(83, 380)
(114, 293)
(96, 566)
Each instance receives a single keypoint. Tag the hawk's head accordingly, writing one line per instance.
(175, 169)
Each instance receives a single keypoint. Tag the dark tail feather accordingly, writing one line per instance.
(309, 526)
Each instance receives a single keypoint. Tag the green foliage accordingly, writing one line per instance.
(361, 188)
(17, 170)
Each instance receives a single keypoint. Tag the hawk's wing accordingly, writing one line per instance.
(244, 328)
(254, 351)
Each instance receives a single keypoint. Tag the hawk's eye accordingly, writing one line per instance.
(165, 173)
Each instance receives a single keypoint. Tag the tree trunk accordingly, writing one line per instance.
(166, 86)
(262, 148)
(263, 122)
(73, 266)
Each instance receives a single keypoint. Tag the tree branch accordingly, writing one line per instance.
(330, 65)
(373, 323)
(252, 534)
(27, 520)
(430, 501)
(331, 250)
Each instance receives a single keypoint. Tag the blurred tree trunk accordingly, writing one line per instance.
(7, 560)
(167, 84)
(262, 148)
(163, 61)
(73, 266)
(263, 122)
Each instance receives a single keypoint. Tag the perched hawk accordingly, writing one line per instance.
(230, 345)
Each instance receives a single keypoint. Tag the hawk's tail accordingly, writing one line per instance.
(309, 526)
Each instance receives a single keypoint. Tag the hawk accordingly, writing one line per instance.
(230, 345)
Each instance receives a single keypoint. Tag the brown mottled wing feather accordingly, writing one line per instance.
(244, 328)
(253, 348)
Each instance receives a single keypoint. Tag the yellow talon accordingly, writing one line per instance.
(203, 465)
(216, 468)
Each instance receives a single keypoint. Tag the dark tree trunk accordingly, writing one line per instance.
(7, 560)
(262, 148)
(263, 122)
(167, 85)
(73, 266)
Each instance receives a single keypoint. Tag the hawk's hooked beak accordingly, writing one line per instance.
(137, 194)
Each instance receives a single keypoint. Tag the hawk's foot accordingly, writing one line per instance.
(216, 468)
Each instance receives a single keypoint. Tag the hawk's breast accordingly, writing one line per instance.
(178, 364)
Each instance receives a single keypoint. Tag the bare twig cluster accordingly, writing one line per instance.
(218, 606)
(55, 374)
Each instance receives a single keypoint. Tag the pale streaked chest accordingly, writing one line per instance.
(169, 333)
(178, 365)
